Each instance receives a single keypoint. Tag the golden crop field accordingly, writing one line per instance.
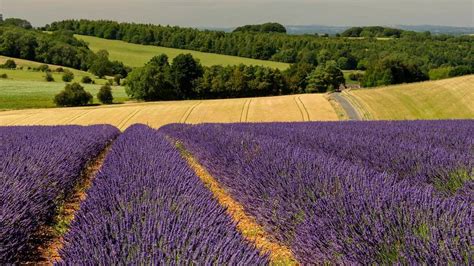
(293, 108)
(442, 99)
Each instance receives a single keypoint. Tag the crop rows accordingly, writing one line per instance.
(382, 192)
(433, 152)
(147, 206)
(38, 167)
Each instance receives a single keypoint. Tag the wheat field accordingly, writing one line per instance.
(293, 108)
(442, 99)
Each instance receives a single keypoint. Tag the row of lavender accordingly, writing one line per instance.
(378, 192)
(147, 206)
(434, 152)
(38, 167)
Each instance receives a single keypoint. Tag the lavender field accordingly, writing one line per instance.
(330, 192)
(38, 167)
(375, 192)
(148, 207)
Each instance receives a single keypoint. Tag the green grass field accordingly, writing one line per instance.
(16, 94)
(348, 80)
(30, 75)
(136, 55)
(442, 99)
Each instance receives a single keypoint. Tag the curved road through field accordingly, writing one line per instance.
(348, 108)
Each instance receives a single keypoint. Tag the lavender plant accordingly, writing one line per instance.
(339, 206)
(38, 167)
(147, 207)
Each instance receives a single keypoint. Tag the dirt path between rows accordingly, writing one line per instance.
(250, 229)
(49, 238)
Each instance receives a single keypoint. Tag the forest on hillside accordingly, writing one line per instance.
(317, 62)
(423, 49)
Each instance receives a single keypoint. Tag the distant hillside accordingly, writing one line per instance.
(438, 29)
(375, 31)
(262, 28)
(442, 99)
(333, 30)
(137, 55)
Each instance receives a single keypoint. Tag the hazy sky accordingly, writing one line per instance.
(224, 13)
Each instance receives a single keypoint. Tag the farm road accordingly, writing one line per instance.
(348, 108)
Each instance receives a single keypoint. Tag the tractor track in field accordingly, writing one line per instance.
(247, 111)
(79, 116)
(304, 108)
(246, 224)
(243, 111)
(125, 121)
(21, 120)
(304, 112)
(48, 240)
(188, 112)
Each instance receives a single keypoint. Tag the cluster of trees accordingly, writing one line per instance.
(75, 95)
(431, 51)
(374, 32)
(17, 22)
(262, 28)
(185, 78)
(59, 48)
(393, 70)
(9, 64)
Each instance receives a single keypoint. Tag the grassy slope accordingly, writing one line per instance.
(30, 75)
(443, 99)
(137, 55)
(348, 80)
(33, 94)
(156, 114)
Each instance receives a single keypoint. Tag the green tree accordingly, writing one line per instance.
(48, 77)
(68, 76)
(185, 71)
(296, 76)
(9, 64)
(18, 22)
(105, 95)
(152, 82)
(86, 80)
(327, 77)
(43, 68)
(101, 66)
(392, 70)
(73, 95)
(117, 79)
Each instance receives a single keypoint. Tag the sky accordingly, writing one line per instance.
(229, 13)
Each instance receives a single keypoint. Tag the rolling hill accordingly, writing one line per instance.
(26, 74)
(136, 55)
(24, 94)
(308, 107)
(442, 99)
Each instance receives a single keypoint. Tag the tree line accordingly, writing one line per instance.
(58, 48)
(375, 32)
(186, 78)
(262, 28)
(428, 51)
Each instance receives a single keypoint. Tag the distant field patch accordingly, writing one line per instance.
(34, 94)
(442, 99)
(156, 114)
(137, 55)
(26, 74)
